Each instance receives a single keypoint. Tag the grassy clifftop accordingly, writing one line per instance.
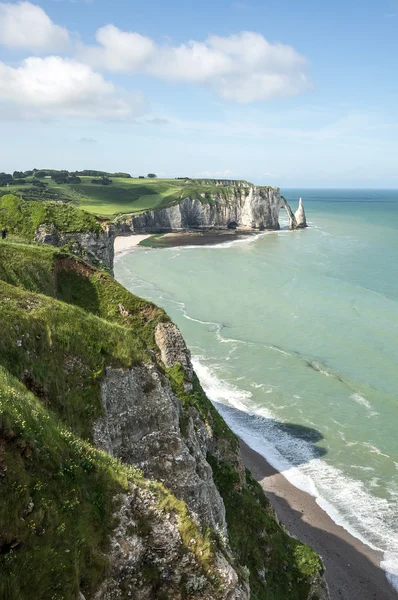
(22, 217)
(123, 195)
(62, 323)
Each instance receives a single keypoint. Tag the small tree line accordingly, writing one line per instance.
(64, 176)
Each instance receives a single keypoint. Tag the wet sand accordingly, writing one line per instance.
(202, 238)
(352, 569)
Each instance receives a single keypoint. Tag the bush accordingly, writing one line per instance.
(40, 184)
(5, 178)
(103, 181)
(151, 176)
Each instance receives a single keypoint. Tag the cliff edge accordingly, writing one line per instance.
(221, 205)
(118, 477)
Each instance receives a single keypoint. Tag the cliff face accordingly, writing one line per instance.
(95, 247)
(61, 225)
(118, 477)
(247, 207)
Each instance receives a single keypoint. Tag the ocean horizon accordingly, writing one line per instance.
(294, 338)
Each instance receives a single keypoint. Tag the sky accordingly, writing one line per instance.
(286, 93)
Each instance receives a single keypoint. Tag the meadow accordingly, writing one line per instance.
(123, 195)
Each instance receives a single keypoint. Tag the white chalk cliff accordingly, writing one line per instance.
(236, 206)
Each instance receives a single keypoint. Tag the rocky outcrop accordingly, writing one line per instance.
(94, 247)
(174, 350)
(244, 207)
(145, 425)
(299, 216)
(149, 559)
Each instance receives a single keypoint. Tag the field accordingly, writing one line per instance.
(122, 196)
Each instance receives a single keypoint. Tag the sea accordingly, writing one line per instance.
(294, 337)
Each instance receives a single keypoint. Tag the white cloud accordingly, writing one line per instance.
(243, 67)
(55, 86)
(25, 25)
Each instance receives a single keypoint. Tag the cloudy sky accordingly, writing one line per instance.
(282, 92)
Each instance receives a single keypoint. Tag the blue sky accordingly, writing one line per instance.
(283, 92)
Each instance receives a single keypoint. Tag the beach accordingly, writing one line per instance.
(184, 238)
(291, 339)
(352, 568)
(124, 244)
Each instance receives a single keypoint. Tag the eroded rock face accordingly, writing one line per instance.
(145, 425)
(252, 207)
(95, 248)
(299, 215)
(174, 349)
(148, 559)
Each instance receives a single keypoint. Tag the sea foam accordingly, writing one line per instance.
(346, 500)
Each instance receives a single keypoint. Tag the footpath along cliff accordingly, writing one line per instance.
(118, 478)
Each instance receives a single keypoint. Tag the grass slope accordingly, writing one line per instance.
(57, 492)
(22, 217)
(62, 323)
(123, 196)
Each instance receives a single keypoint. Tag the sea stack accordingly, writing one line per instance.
(299, 215)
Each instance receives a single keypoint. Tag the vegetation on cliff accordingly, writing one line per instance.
(23, 217)
(63, 322)
(126, 195)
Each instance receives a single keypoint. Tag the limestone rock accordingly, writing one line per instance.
(154, 563)
(174, 349)
(142, 427)
(95, 248)
(299, 215)
(250, 207)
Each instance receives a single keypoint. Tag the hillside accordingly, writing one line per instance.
(123, 195)
(75, 519)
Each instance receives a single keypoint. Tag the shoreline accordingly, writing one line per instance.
(127, 243)
(131, 242)
(353, 569)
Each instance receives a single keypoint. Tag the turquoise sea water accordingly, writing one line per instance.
(294, 336)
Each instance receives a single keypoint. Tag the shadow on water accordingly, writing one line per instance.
(296, 444)
(352, 569)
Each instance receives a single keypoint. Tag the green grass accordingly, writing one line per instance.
(62, 322)
(124, 196)
(153, 241)
(53, 351)
(259, 543)
(23, 217)
(58, 497)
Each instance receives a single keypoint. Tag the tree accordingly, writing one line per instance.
(40, 174)
(151, 176)
(5, 178)
(18, 175)
(141, 177)
(103, 181)
(59, 178)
